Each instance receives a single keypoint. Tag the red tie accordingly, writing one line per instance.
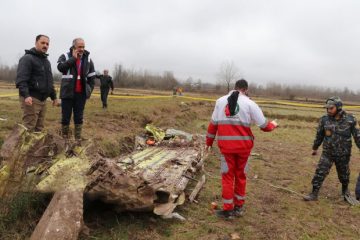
(78, 86)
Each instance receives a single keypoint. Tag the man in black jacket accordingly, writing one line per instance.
(77, 83)
(35, 83)
(105, 84)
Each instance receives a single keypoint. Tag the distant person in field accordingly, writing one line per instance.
(334, 133)
(35, 83)
(230, 124)
(106, 84)
(77, 84)
(180, 91)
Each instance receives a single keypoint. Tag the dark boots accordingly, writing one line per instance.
(226, 214)
(313, 196)
(65, 131)
(357, 188)
(239, 211)
(345, 190)
(77, 132)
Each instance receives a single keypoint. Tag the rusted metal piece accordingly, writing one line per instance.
(197, 189)
(152, 179)
(23, 154)
(63, 218)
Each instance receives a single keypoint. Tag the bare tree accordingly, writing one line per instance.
(8, 73)
(133, 78)
(228, 73)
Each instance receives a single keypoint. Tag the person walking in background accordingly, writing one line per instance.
(77, 84)
(334, 133)
(105, 84)
(35, 82)
(230, 124)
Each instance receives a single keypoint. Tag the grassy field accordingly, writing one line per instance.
(284, 161)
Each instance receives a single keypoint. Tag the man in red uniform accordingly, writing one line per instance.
(230, 122)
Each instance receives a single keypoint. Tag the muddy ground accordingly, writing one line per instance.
(284, 161)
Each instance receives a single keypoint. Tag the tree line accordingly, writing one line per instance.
(131, 78)
(8, 73)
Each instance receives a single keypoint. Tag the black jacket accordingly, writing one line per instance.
(67, 66)
(34, 77)
(106, 82)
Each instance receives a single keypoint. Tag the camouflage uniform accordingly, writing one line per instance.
(335, 135)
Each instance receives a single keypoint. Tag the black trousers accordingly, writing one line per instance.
(104, 95)
(70, 105)
(357, 189)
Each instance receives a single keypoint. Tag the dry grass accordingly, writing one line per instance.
(271, 213)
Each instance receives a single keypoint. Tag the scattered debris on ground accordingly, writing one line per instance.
(152, 178)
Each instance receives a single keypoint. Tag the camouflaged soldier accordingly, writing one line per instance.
(334, 132)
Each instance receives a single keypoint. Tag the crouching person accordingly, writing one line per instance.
(334, 133)
(230, 121)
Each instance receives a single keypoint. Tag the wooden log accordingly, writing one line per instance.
(63, 218)
(197, 188)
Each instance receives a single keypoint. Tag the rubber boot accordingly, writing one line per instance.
(77, 133)
(345, 190)
(357, 188)
(226, 214)
(65, 131)
(239, 211)
(313, 196)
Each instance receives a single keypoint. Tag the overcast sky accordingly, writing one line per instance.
(312, 42)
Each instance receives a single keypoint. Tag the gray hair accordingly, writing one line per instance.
(77, 39)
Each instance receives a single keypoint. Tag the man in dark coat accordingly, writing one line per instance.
(35, 83)
(106, 84)
(77, 83)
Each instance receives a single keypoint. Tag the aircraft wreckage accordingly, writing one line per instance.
(152, 178)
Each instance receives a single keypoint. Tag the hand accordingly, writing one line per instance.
(75, 53)
(274, 122)
(28, 101)
(56, 103)
(314, 152)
